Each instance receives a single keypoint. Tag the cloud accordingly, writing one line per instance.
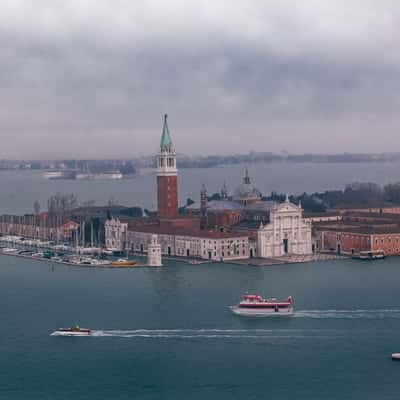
(93, 78)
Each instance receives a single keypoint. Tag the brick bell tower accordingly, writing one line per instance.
(167, 177)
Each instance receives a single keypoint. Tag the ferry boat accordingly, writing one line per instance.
(255, 305)
(59, 174)
(107, 175)
(74, 331)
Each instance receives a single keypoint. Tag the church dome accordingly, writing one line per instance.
(246, 192)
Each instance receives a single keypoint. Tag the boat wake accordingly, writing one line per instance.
(212, 333)
(348, 314)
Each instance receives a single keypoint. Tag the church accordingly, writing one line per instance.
(274, 229)
(233, 227)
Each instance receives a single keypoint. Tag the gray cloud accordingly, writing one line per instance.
(93, 78)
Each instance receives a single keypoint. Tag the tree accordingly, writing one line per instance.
(363, 193)
(136, 212)
(88, 203)
(127, 169)
(215, 196)
(392, 192)
(59, 204)
(112, 202)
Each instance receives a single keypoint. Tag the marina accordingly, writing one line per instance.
(63, 254)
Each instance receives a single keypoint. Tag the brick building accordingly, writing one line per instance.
(357, 232)
(43, 227)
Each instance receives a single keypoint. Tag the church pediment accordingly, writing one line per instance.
(288, 207)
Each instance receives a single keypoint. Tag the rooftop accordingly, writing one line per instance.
(166, 142)
(177, 231)
(377, 228)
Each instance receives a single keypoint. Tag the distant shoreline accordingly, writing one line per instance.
(136, 164)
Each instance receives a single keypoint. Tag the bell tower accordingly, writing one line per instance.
(167, 176)
(203, 207)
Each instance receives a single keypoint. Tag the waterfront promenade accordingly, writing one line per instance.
(290, 259)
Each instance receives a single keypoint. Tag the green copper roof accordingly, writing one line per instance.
(166, 142)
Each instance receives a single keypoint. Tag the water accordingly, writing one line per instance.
(168, 333)
(24, 187)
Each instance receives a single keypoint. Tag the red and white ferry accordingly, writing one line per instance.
(255, 305)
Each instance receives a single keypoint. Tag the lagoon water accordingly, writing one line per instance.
(168, 333)
(21, 188)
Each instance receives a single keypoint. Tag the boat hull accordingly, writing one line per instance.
(65, 333)
(262, 312)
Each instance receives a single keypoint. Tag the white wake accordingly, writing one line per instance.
(262, 334)
(348, 314)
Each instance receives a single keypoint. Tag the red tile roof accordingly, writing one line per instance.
(177, 231)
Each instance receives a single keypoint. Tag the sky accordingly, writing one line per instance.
(93, 78)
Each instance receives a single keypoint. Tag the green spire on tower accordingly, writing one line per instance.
(166, 142)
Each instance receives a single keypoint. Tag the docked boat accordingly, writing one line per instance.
(123, 262)
(370, 255)
(74, 331)
(255, 305)
(10, 250)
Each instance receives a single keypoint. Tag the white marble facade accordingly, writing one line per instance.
(154, 253)
(115, 233)
(287, 233)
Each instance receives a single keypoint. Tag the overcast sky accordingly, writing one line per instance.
(93, 78)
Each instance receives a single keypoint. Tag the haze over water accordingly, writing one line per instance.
(24, 187)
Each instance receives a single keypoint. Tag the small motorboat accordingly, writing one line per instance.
(123, 262)
(74, 331)
(253, 305)
(396, 356)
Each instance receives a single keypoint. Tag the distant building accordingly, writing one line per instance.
(154, 252)
(44, 227)
(246, 193)
(359, 231)
(115, 233)
(383, 209)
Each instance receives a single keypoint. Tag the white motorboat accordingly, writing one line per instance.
(253, 305)
(9, 250)
(74, 331)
